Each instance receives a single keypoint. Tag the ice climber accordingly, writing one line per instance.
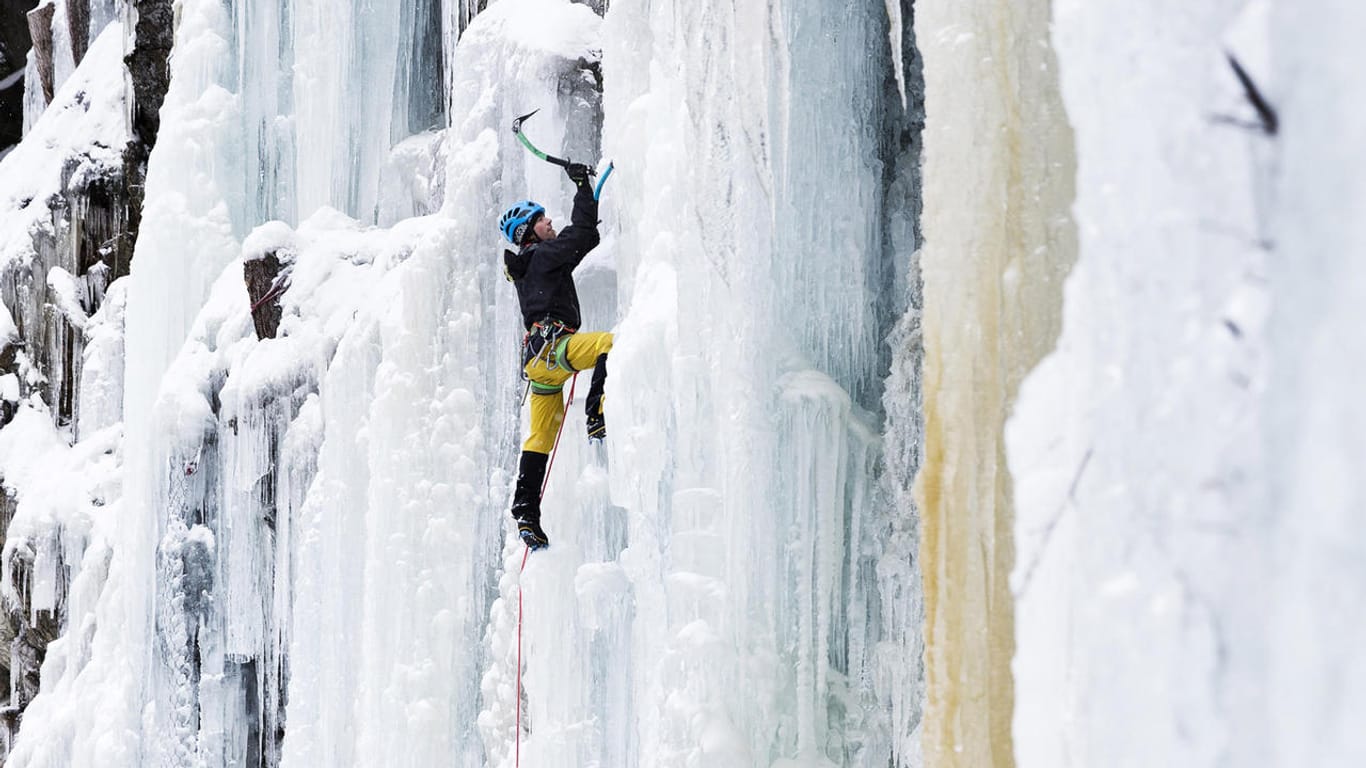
(553, 349)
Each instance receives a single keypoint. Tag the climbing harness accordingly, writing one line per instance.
(547, 341)
(544, 484)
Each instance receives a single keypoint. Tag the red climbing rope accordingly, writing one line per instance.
(519, 660)
(272, 293)
(553, 450)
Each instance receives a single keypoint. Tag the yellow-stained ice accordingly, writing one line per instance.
(998, 241)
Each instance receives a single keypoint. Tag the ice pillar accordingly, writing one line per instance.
(997, 185)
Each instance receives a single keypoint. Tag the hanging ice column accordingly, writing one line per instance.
(365, 75)
(743, 430)
(107, 669)
(758, 285)
(998, 240)
(191, 650)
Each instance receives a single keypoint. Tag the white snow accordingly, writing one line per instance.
(100, 400)
(9, 332)
(1184, 555)
(62, 491)
(65, 293)
(1314, 417)
(337, 495)
(308, 534)
(1135, 444)
(9, 388)
(412, 181)
(83, 128)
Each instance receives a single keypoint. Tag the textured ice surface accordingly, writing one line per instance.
(757, 282)
(312, 538)
(1136, 445)
(1186, 566)
(1315, 416)
(998, 177)
(307, 535)
(82, 133)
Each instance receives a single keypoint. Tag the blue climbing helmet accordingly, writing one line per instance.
(517, 218)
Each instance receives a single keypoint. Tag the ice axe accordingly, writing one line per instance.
(563, 163)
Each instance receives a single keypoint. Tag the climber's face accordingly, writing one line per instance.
(544, 228)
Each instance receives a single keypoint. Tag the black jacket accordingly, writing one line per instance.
(543, 271)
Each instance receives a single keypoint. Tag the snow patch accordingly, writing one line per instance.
(83, 128)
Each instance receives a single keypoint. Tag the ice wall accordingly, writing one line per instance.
(195, 197)
(1136, 445)
(312, 564)
(326, 89)
(758, 277)
(226, 531)
(998, 240)
(63, 230)
(1314, 415)
(416, 528)
(1184, 564)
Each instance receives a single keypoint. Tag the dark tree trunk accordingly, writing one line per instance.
(266, 278)
(40, 29)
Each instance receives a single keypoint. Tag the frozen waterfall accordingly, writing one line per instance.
(312, 562)
(983, 388)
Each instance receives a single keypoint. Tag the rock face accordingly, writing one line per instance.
(82, 241)
(14, 45)
(26, 636)
(147, 65)
(14, 35)
(91, 240)
(94, 219)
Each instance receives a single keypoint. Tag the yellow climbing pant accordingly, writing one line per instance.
(577, 352)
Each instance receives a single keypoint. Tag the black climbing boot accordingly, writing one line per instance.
(597, 420)
(532, 535)
(526, 501)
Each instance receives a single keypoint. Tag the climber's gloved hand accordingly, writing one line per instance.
(578, 173)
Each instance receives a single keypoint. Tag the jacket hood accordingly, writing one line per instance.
(515, 263)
